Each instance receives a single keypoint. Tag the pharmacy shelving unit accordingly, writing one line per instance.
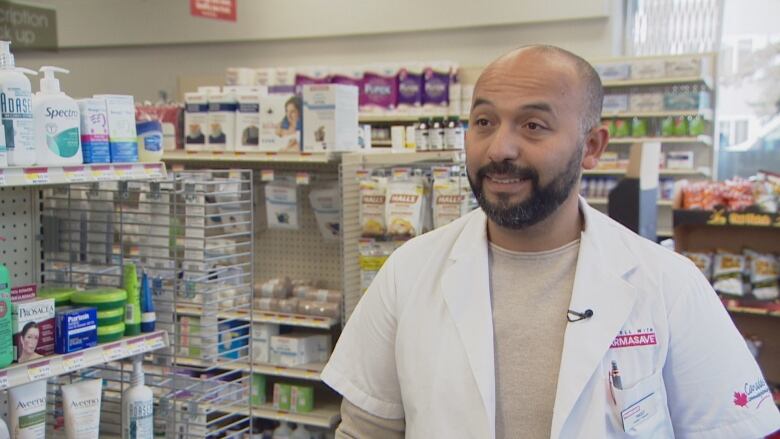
(192, 234)
(707, 231)
(24, 236)
(303, 254)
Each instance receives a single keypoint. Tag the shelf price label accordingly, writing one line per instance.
(72, 362)
(3, 380)
(36, 175)
(153, 171)
(266, 175)
(155, 341)
(302, 178)
(75, 174)
(135, 347)
(124, 171)
(113, 352)
(39, 371)
(103, 173)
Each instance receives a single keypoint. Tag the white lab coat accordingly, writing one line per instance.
(420, 343)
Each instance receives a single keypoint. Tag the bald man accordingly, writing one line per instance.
(536, 316)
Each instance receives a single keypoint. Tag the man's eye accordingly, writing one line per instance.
(533, 126)
(482, 122)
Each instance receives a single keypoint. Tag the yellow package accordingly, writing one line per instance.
(450, 200)
(404, 207)
(372, 206)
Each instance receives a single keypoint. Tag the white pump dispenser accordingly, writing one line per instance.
(16, 109)
(137, 406)
(57, 122)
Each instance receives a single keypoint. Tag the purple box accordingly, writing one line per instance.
(380, 89)
(436, 87)
(410, 87)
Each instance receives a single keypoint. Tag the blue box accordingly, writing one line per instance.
(75, 329)
(233, 339)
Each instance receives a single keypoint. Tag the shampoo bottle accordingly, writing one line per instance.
(6, 330)
(57, 123)
(137, 406)
(16, 107)
(133, 306)
(148, 317)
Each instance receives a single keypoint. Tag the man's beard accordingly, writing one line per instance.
(543, 201)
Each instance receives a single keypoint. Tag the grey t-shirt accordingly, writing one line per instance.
(530, 294)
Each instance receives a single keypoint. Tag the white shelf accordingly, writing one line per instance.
(663, 172)
(705, 114)
(389, 117)
(659, 81)
(47, 175)
(384, 158)
(705, 140)
(54, 365)
(324, 415)
(259, 316)
(304, 372)
(248, 157)
(598, 201)
(381, 143)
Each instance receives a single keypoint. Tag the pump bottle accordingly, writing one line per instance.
(57, 122)
(137, 406)
(16, 108)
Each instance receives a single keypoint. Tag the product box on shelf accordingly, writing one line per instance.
(652, 101)
(684, 67)
(648, 69)
(233, 339)
(221, 121)
(436, 88)
(257, 389)
(615, 103)
(282, 395)
(33, 327)
(94, 130)
(613, 71)
(280, 123)
(297, 349)
(330, 113)
(380, 88)
(679, 160)
(196, 116)
(261, 341)
(239, 76)
(189, 336)
(301, 399)
(75, 329)
(122, 137)
(247, 136)
(410, 88)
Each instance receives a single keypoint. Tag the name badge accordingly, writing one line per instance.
(635, 415)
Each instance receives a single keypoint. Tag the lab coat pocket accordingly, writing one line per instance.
(637, 410)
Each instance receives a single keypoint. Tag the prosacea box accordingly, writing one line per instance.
(33, 327)
(75, 329)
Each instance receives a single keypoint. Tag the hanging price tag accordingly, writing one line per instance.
(401, 173)
(266, 175)
(135, 347)
(155, 341)
(123, 171)
(302, 178)
(72, 362)
(36, 175)
(3, 380)
(103, 173)
(75, 174)
(440, 172)
(362, 173)
(113, 352)
(39, 371)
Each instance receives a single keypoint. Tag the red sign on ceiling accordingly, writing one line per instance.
(215, 9)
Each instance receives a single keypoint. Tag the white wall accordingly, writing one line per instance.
(143, 70)
(90, 23)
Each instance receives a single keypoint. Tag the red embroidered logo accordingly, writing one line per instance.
(634, 340)
(740, 399)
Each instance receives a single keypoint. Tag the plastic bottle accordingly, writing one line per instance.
(421, 135)
(6, 332)
(133, 306)
(301, 432)
(16, 107)
(148, 317)
(137, 406)
(283, 431)
(453, 134)
(436, 135)
(57, 123)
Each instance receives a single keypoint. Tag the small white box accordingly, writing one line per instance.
(296, 349)
(679, 160)
(646, 102)
(648, 69)
(222, 122)
(196, 118)
(247, 134)
(280, 123)
(122, 136)
(239, 76)
(330, 114)
(261, 341)
(615, 103)
(684, 67)
(613, 71)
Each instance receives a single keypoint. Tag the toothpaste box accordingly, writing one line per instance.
(330, 114)
(33, 328)
(122, 137)
(94, 130)
(75, 329)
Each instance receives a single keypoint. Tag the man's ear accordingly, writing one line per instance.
(596, 142)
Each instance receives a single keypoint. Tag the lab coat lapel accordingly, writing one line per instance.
(466, 289)
(599, 285)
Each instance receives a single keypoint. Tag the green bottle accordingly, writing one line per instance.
(133, 307)
(667, 127)
(6, 330)
(696, 126)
